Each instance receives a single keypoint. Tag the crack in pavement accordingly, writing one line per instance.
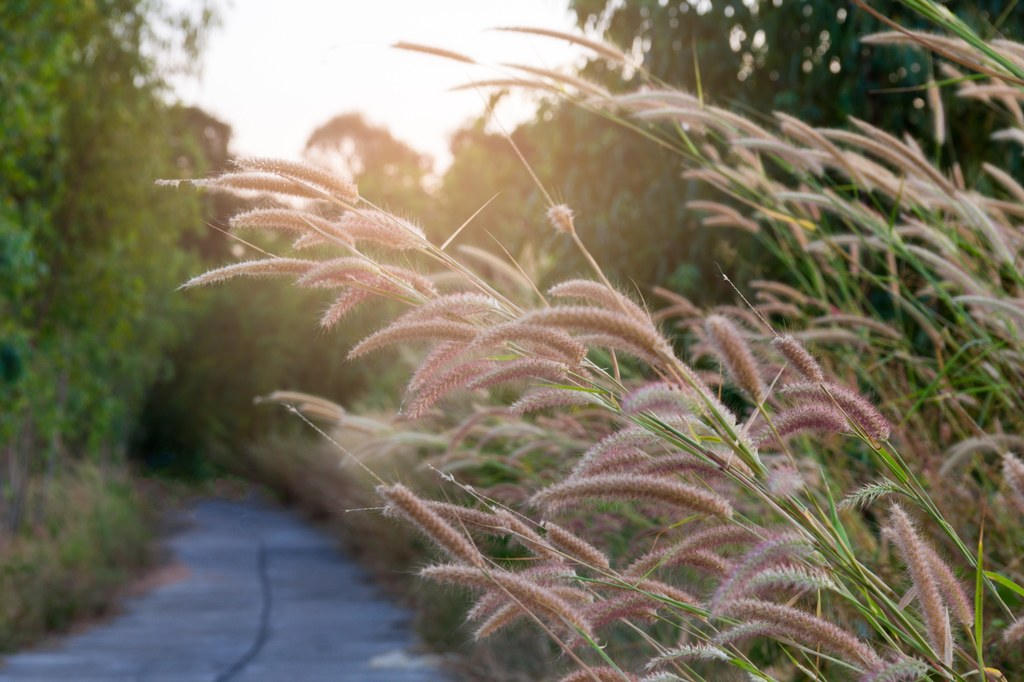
(264, 629)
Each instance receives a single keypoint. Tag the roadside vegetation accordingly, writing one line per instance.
(89, 536)
(88, 253)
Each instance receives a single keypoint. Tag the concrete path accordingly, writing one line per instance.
(264, 598)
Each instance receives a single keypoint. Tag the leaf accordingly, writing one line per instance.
(979, 599)
(833, 509)
(907, 598)
(1005, 582)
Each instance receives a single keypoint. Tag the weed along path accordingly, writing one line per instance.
(262, 597)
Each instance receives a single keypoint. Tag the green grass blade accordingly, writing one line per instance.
(979, 602)
(1005, 582)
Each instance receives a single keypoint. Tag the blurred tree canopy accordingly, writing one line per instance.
(387, 170)
(89, 248)
(246, 339)
(802, 57)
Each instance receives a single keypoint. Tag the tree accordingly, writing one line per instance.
(243, 341)
(802, 57)
(388, 171)
(89, 245)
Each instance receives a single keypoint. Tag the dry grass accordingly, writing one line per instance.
(92, 538)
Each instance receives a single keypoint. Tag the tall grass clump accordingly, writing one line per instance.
(89, 533)
(818, 482)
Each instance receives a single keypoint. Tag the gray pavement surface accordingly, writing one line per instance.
(264, 598)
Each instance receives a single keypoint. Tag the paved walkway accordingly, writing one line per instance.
(264, 598)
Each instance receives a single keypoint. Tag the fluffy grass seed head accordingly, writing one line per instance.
(733, 350)
(441, 357)
(781, 550)
(303, 174)
(624, 606)
(702, 542)
(460, 305)
(596, 292)
(441, 384)
(689, 652)
(289, 221)
(675, 464)
(549, 574)
(658, 397)
(1013, 474)
(799, 358)
(262, 267)
(902, 670)
(576, 547)
(249, 183)
(594, 320)
(560, 216)
(521, 370)
(952, 590)
(549, 398)
(806, 629)
(816, 417)
(383, 229)
(1014, 633)
(855, 407)
(785, 480)
(530, 538)
(412, 331)
(529, 593)
(466, 516)
(405, 503)
(912, 550)
(623, 441)
(553, 344)
(499, 619)
(341, 306)
(632, 488)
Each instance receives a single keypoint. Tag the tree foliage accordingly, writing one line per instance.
(802, 57)
(89, 253)
(385, 168)
(251, 338)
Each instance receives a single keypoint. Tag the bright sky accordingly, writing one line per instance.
(276, 70)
